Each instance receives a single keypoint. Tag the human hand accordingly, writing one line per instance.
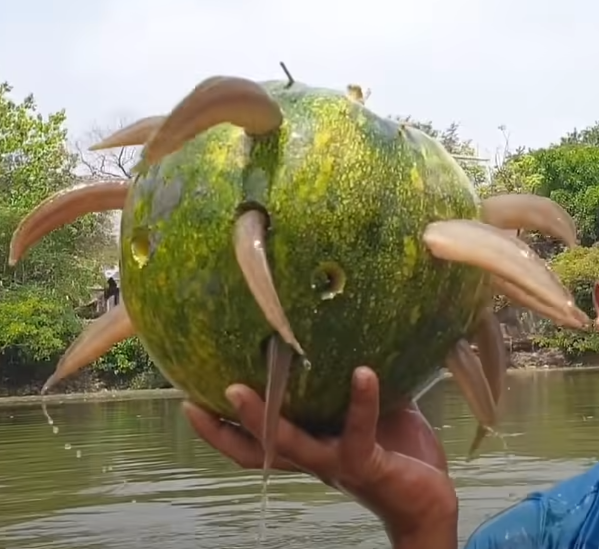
(394, 465)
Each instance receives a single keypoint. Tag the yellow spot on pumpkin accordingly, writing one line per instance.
(324, 175)
(218, 153)
(218, 156)
(410, 255)
(417, 181)
(322, 139)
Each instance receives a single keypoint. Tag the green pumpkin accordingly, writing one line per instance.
(273, 219)
(348, 195)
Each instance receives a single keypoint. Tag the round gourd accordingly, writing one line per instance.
(348, 196)
(277, 221)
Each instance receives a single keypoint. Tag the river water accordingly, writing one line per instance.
(130, 474)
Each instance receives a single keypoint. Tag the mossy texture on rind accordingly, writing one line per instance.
(343, 187)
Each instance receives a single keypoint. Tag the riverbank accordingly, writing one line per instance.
(100, 396)
(90, 383)
(142, 394)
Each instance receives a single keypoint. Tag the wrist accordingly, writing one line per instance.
(414, 517)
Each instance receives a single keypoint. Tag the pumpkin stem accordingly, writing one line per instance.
(290, 79)
(355, 93)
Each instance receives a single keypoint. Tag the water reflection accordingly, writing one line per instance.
(130, 474)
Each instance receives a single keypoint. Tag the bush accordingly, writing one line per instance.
(35, 324)
(578, 269)
(126, 359)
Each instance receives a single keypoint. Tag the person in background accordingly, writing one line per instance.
(396, 467)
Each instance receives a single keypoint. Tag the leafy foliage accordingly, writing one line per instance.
(39, 296)
(35, 324)
(518, 173)
(34, 163)
(587, 136)
(569, 174)
(578, 269)
(126, 358)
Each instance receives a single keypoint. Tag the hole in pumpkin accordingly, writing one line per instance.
(328, 280)
(252, 205)
(140, 246)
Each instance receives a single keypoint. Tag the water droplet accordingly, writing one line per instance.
(67, 446)
(78, 454)
(55, 430)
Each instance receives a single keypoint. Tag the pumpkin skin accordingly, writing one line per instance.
(348, 195)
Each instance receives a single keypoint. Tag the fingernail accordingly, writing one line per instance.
(234, 396)
(362, 378)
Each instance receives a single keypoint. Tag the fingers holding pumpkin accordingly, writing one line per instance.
(292, 443)
(333, 460)
(230, 440)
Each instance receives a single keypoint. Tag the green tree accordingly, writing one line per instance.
(586, 136)
(569, 174)
(37, 298)
(516, 173)
(578, 269)
(34, 163)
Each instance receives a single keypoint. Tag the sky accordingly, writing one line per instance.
(531, 65)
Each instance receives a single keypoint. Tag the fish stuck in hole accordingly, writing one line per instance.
(249, 242)
(279, 358)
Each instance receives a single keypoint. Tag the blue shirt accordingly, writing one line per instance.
(564, 517)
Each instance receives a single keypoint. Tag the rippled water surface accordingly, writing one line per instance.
(130, 474)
